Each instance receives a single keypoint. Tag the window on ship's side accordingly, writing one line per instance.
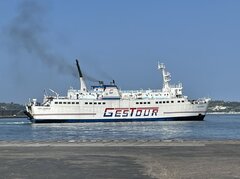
(99, 103)
(167, 101)
(69, 102)
(104, 103)
(73, 102)
(172, 101)
(141, 103)
(156, 102)
(86, 102)
(60, 102)
(145, 102)
(77, 102)
(164, 102)
(64, 103)
(149, 103)
(160, 102)
(137, 102)
(56, 102)
(182, 101)
(95, 103)
(178, 101)
(90, 103)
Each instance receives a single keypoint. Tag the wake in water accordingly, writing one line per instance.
(18, 121)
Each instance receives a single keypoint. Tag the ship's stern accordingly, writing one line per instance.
(29, 109)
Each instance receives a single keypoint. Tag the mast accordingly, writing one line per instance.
(166, 77)
(83, 86)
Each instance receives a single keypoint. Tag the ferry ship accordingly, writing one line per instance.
(107, 103)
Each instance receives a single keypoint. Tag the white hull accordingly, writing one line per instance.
(106, 103)
(117, 110)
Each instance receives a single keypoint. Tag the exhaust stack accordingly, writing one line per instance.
(83, 86)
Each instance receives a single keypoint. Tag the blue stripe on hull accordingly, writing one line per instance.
(191, 118)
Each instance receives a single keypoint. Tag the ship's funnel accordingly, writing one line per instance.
(83, 86)
(79, 70)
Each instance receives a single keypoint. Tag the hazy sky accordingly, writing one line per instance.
(199, 41)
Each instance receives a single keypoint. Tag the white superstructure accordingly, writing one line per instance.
(106, 103)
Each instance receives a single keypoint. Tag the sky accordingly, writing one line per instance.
(198, 41)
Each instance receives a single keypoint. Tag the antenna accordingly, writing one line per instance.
(166, 76)
(54, 92)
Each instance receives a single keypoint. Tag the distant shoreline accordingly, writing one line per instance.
(223, 113)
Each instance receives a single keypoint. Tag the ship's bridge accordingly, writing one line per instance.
(97, 92)
(107, 91)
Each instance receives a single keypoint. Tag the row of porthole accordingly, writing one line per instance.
(163, 102)
(66, 102)
(143, 103)
(160, 102)
(90, 103)
(95, 103)
(103, 103)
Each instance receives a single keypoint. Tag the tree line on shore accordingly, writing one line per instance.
(11, 110)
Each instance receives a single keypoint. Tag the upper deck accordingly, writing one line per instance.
(112, 92)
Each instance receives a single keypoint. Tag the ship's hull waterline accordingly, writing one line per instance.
(188, 118)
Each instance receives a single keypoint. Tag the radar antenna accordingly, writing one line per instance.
(166, 76)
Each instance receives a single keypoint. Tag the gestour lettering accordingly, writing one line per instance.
(131, 112)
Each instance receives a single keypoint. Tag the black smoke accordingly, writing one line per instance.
(25, 34)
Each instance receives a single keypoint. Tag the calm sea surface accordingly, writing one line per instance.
(215, 127)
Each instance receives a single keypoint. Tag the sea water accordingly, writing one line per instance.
(214, 127)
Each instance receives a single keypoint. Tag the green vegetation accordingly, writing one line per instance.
(224, 107)
(11, 110)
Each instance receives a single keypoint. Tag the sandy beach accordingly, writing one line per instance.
(120, 159)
